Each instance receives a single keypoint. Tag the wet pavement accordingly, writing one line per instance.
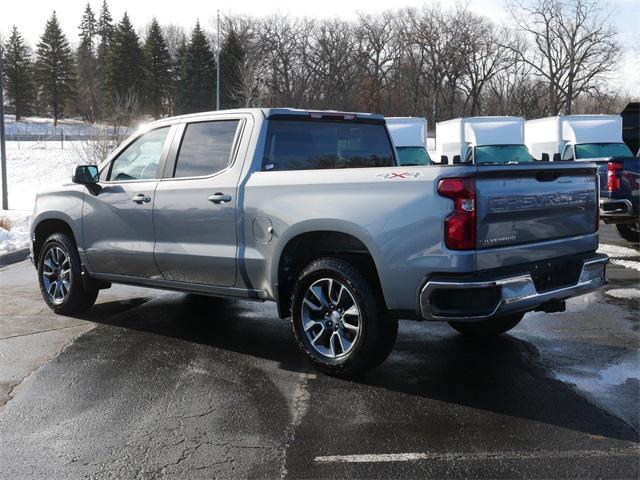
(152, 384)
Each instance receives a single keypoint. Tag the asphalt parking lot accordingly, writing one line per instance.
(153, 384)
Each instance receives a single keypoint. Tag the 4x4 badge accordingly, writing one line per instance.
(403, 175)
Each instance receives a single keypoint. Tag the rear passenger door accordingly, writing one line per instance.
(195, 204)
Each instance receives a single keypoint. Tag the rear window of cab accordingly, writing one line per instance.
(318, 145)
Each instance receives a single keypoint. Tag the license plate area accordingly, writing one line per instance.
(554, 274)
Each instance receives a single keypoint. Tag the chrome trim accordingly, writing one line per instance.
(626, 211)
(518, 293)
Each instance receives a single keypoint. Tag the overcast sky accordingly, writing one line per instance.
(31, 15)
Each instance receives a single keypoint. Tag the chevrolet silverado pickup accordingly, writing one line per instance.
(595, 139)
(311, 210)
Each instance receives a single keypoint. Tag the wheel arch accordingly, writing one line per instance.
(43, 227)
(307, 244)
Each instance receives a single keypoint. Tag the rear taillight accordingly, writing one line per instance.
(460, 226)
(613, 176)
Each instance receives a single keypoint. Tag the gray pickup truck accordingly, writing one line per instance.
(310, 210)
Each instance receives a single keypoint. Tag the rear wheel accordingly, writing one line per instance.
(60, 277)
(488, 328)
(629, 231)
(339, 322)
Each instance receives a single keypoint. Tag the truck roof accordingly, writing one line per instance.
(285, 112)
(481, 131)
(408, 131)
(575, 129)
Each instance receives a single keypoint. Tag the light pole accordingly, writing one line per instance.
(3, 150)
(218, 66)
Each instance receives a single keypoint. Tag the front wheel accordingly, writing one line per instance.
(339, 321)
(60, 277)
(629, 231)
(488, 328)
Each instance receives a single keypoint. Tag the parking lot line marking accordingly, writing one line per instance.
(464, 456)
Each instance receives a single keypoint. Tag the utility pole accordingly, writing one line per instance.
(218, 66)
(3, 150)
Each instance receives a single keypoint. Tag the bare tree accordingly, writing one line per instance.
(379, 56)
(125, 109)
(333, 63)
(284, 45)
(574, 47)
(490, 54)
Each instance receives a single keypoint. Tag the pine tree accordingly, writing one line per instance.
(197, 75)
(55, 70)
(104, 29)
(232, 56)
(88, 78)
(18, 70)
(157, 67)
(124, 70)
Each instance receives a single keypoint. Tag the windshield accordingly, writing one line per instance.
(502, 154)
(413, 156)
(602, 150)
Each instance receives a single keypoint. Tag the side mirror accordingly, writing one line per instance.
(545, 157)
(456, 159)
(556, 157)
(86, 175)
(444, 160)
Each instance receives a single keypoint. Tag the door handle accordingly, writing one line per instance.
(141, 198)
(219, 198)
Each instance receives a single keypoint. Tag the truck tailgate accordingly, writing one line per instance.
(530, 212)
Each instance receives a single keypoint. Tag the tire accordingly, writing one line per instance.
(68, 296)
(488, 328)
(348, 321)
(629, 231)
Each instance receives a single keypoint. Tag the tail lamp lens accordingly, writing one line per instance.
(613, 176)
(460, 226)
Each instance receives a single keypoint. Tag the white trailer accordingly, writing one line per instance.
(556, 137)
(482, 140)
(409, 136)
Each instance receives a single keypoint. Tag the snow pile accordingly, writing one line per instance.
(18, 236)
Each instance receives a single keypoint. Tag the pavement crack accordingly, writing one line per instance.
(16, 386)
(299, 408)
(44, 331)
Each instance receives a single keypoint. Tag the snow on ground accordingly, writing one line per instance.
(34, 165)
(18, 236)
(42, 126)
(617, 251)
(624, 293)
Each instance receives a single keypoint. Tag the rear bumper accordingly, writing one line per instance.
(617, 210)
(511, 294)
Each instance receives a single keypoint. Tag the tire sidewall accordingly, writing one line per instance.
(316, 271)
(60, 241)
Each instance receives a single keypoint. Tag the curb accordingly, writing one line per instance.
(14, 256)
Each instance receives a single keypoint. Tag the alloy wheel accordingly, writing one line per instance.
(56, 274)
(331, 318)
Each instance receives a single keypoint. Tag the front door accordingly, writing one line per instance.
(118, 215)
(195, 207)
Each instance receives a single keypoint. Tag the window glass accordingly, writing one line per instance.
(140, 160)
(313, 145)
(502, 154)
(568, 153)
(602, 150)
(413, 156)
(206, 148)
